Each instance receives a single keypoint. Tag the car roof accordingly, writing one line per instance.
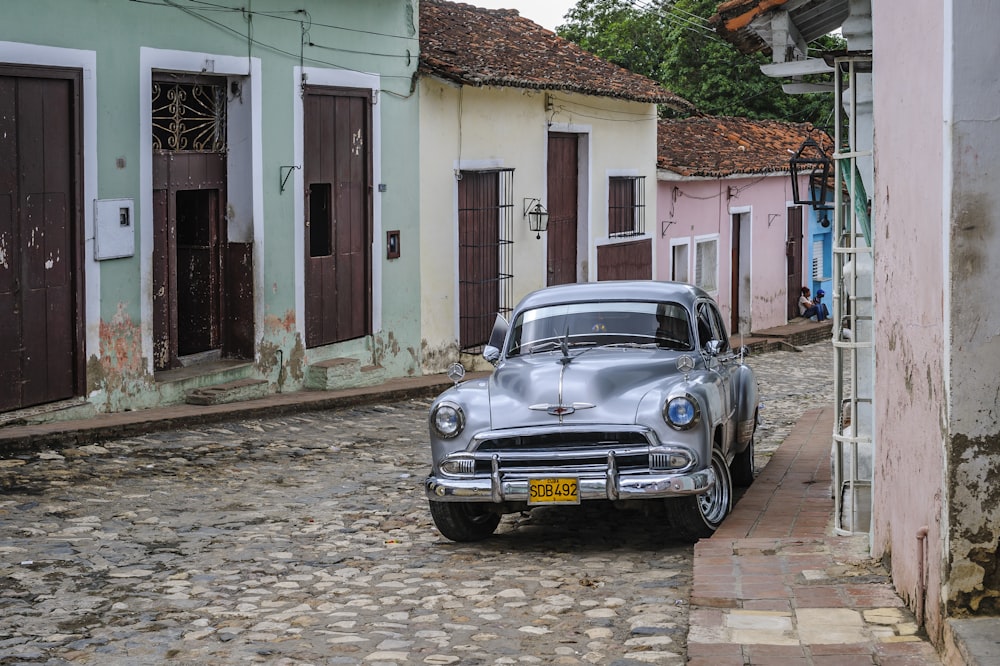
(614, 290)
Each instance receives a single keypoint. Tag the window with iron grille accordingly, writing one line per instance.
(189, 115)
(626, 206)
(485, 231)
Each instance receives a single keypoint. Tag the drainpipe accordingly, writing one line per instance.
(922, 572)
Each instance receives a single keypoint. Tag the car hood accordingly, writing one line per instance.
(598, 386)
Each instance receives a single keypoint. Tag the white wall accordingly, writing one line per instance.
(480, 128)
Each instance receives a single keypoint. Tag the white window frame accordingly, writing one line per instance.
(677, 242)
(712, 289)
(818, 265)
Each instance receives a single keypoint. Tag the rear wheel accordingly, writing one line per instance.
(464, 521)
(698, 516)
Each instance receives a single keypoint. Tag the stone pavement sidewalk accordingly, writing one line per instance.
(775, 585)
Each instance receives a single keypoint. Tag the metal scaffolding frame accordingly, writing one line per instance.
(853, 340)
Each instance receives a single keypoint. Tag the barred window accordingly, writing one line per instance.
(626, 206)
(485, 231)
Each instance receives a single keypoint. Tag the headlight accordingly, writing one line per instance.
(681, 413)
(447, 420)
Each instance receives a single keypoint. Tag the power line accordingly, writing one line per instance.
(673, 15)
(196, 14)
(277, 15)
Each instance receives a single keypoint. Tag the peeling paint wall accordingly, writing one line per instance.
(261, 211)
(910, 283)
(974, 373)
(117, 376)
(974, 583)
(936, 221)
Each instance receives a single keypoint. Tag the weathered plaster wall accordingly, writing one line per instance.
(118, 319)
(480, 128)
(698, 207)
(973, 585)
(911, 301)
(472, 129)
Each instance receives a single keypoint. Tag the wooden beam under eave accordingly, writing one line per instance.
(743, 20)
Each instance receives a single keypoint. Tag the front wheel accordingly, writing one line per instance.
(464, 521)
(698, 516)
(742, 468)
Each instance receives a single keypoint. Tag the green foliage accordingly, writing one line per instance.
(671, 42)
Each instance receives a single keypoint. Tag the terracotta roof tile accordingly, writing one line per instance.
(715, 146)
(498, 47)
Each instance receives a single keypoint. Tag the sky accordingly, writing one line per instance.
(546, 13)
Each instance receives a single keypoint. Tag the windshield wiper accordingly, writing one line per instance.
(557, 343)
(632, 345)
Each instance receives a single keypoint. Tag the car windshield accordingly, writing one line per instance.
(620, 323)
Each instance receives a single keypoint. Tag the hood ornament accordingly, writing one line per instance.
(560, 409)
(456, 372)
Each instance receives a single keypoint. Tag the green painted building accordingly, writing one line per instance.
(205, 201)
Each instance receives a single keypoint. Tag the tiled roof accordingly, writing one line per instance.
(498, 47)
(714, 146)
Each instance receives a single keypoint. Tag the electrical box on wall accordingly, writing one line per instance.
(114, 236)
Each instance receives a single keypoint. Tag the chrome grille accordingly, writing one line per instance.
(579, 453)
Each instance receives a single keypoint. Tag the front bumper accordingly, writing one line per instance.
(611, 486)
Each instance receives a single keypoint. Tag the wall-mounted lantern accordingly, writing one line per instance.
(810, 161)
(538, 217)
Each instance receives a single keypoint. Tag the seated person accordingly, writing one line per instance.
(813, 309)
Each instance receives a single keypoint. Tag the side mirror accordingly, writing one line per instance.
(491, 354)
(713, 347)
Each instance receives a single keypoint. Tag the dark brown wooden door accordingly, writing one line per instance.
(563, 181)
(338, 235)
(735, 274)
(189, 306)
(793, 254)
(478, 256)
(41, 280)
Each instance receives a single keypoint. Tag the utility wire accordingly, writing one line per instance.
(673, 15)
(174, 4)
(277, 15)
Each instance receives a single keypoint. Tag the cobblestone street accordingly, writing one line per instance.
(306, 539)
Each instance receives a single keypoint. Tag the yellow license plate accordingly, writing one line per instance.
(553, 491)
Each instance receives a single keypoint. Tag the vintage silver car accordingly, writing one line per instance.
(620, 391)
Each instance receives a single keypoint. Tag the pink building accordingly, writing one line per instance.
(727, 220)
(925, 114)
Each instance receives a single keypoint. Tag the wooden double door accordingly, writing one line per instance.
(41, 237)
